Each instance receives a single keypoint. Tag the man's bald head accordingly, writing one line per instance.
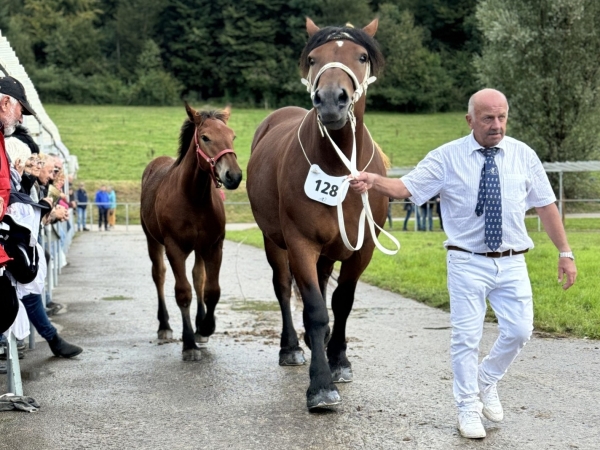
(487, 116)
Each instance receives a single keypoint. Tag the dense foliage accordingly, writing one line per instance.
(243, 51)
(543, 55)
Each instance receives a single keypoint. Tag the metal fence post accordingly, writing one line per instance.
(126, 216)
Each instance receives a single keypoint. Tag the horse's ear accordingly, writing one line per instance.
(311, 28)
(191, 112)
(371, 29)
(226, 113)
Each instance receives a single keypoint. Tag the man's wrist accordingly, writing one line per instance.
(568, 254)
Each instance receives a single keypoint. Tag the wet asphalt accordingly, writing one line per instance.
(129, 391)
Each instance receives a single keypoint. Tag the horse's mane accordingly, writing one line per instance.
(187, 131)
(336, 33)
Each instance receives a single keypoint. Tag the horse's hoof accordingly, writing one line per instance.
(342, 375)
(292, 358)
(201, 340)
(324, 399)
(192, 354)
(165, 334)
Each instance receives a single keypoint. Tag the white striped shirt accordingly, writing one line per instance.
(454, 171)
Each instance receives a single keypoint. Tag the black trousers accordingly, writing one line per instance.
(103, 217)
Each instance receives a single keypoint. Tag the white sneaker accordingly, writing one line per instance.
(492, 408)
(469, 425)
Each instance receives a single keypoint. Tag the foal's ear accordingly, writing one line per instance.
(191, 112)
(311, 28)
(371, 29)
(226, 113)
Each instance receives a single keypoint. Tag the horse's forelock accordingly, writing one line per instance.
(356, 35)
(189, 127)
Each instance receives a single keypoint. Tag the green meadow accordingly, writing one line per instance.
(114, 143)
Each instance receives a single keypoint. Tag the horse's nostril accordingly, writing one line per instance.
(343, 98)
(317, 99)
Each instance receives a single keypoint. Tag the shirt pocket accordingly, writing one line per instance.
(514, 189)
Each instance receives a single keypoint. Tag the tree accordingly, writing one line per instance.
(543, 55)
(413, 79)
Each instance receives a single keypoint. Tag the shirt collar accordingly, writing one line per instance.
(474, 145)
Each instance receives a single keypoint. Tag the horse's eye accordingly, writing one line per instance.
(204, 138)
(363, 58)
(311, 61)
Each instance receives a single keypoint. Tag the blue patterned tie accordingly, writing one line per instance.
(489, 196)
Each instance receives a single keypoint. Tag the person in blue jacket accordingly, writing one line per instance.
(103, 203)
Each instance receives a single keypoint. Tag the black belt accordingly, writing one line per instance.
(490, 254)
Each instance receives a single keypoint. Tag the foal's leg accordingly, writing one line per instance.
(290, 353)
(303, 261)
(212, 291)
(199, 275)
(156, 252)
(341, 305)
(183, 295)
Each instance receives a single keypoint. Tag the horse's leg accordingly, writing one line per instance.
(156, 251)
(290, 353)
(212, 291)
(199, 276)
(303, 261)
(183, 296)
(341, 305)
(324, 269)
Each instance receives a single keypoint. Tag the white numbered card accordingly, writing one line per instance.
(324, 188)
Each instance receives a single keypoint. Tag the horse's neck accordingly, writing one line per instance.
(344, 139)
(191, 179)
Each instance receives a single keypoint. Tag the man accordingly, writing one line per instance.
(487, 181)
(13, 104)
(81, 198)
(102, 201)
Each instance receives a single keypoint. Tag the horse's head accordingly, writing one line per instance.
(213, 141)
(337, 63)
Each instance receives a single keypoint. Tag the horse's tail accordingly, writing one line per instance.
(386, 161)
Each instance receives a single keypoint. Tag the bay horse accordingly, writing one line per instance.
(182, 211)
(302, 237)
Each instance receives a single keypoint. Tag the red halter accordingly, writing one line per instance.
(212, 161)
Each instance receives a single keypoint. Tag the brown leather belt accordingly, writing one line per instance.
(490, 254)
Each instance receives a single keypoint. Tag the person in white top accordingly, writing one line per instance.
(487, 237)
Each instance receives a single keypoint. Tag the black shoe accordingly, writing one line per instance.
(53, 308)
(86, 229)
(60, 347)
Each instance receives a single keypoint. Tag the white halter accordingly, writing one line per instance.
(360, 89)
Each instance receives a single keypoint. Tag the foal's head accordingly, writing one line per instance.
(208, 132)
(334, 90)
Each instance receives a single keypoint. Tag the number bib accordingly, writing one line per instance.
(324, 188)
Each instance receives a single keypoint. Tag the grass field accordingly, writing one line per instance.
(573, 312)
(114, 144)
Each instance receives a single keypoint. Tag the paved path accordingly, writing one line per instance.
(128, 392)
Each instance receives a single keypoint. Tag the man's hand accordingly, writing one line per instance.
(566, 268)
(362, 182)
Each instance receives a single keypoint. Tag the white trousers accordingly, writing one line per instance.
(505, 283)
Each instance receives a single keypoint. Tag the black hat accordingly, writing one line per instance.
(11, 86)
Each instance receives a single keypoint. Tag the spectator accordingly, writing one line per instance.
(408, 207)
(112, 207)
(103, 202)
(81, 198)
(438, 210)
(13, 104)
(389, 212)
(427, 215)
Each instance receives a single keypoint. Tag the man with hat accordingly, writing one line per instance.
(13, 104)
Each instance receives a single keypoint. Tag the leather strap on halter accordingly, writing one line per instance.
(212, 161)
